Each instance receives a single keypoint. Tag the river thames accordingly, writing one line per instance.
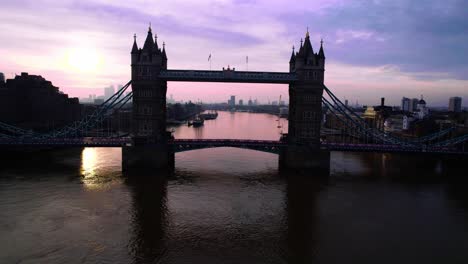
(230, 205)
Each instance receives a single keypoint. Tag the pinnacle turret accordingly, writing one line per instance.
(156, 48)
(164, 51)
(321, 54)
(293, 56)
(135, 46)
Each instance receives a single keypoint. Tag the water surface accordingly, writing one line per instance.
(230, 205)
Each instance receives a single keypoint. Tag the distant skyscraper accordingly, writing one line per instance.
(2, 78)
(250, 103)
(170, 100)
(455, 104)
(232, 101)
(406, 104)
(108, 92)
(241, 102)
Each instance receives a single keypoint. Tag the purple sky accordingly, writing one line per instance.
(373, 48)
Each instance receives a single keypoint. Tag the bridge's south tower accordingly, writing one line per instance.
(149, 136)
(305, 109)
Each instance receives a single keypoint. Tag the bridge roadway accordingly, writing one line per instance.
(229, 75)
(180, 145)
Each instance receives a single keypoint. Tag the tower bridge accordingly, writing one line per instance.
(150, 145)
(150, 75)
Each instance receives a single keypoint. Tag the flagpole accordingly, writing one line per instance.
(209, 59)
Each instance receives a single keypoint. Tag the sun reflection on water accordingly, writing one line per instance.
(100, 167)
(88, 162)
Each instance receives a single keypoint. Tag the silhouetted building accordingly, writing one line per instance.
(2, 79)
(455, 104)
(406, 105)
(241, 102)
(283, 111)
(108, 92)
(232, 101)
(30, 101)
(382, 113)
(422, 111)
(370, 116)
(414, 105)
(397, 123)
(98, 101)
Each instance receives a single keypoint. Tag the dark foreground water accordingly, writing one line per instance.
(231, 206)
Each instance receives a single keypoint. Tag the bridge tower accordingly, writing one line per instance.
(149, 136)
(305, 109)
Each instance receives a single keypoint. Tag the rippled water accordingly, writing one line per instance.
(231, 206)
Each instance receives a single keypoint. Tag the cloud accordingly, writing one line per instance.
(418, 45)
(417, 36)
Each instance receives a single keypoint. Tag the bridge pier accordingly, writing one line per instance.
(304, 158)
(147, 157)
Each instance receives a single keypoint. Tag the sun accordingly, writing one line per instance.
(83, 59)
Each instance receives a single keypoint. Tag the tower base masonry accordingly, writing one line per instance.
(147, 157)
(304, 158)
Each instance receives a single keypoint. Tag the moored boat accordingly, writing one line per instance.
(198, 122)
(209, 115)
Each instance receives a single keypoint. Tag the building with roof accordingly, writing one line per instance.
(32, 102)
(422, 111)
(455, 104)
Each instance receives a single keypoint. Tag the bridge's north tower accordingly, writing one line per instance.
(149, 92)
(305, 109)
(149, 136)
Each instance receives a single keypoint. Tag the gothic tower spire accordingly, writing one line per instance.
(149, 43)
(135, 46)
(156, 42)
(321, 54)
(293, 56)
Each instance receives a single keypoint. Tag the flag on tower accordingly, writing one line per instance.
(209, 57)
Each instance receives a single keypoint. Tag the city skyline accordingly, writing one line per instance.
(373, 56)
(182, 131)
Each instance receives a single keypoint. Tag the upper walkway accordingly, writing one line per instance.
(228, 75)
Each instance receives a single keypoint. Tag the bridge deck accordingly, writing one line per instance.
(179, 145)
(227, 76)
